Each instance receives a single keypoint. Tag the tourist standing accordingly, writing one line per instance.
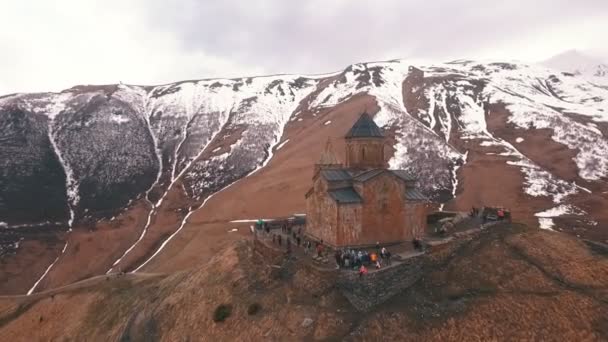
(338, 257)
(362, 271)
(319, 250)
(374, 258)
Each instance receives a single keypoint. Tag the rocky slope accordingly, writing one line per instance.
(100, 178)
(510, 283)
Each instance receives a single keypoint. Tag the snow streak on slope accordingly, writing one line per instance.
(418, 149)
(141, 99)
(56, 106)
(52, 105)
(261, 109)
(65, 247)
(545, 218)
(208, 108)
(537, 99)
(287, 108)
(248, 115)
(191, 101)
(282, 144)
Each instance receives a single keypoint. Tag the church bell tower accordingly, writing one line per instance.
(365, 145)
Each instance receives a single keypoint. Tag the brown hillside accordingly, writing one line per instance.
(511, 283)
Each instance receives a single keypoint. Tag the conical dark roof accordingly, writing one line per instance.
(365, 127)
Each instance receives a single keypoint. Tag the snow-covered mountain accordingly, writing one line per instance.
(514, 134)
(575, 62)
(91, 149)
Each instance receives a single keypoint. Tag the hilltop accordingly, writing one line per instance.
(511, 282)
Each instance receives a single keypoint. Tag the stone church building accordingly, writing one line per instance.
(361, 202)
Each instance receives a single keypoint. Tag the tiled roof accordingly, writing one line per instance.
(369, 174)
(334, 175)
(405, 175)
(345, 195)
(413, 194)
(365, 127)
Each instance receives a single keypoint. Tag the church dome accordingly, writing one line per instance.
(365, 127)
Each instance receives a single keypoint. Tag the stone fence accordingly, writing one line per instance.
(302, 273)
(379, 286)
(372, 289)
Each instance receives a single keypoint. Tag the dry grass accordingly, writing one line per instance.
(508, 284)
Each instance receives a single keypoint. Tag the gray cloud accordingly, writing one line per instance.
(315, 36)
(54, 45)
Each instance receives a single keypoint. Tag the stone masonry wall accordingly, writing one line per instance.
(377, 287)
(302, 273)
(374, 288)
(312, 279)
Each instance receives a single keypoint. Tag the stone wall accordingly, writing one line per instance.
(270, 254)
(415, 218)
(312, 279)
(321, 216)
(383, 212)
(349, 222)
(372, 289)
(379, 286)
(302, 273)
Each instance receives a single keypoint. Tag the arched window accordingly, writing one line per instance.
(362, 153)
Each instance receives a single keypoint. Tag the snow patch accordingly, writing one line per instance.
(546, 223)
(119, 119)
(72, 185)
(250, 220)
(560, 210)
(47, 270)
(282, 144)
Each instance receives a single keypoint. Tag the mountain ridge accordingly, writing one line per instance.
(139, 162)
(576, 62)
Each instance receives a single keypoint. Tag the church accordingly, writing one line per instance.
(362, 202)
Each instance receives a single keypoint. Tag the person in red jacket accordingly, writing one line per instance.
(362, 271)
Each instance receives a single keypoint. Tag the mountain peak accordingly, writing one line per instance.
(575, 62)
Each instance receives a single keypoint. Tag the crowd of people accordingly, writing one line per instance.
(348, 258)
(289, 236)
(355, 259)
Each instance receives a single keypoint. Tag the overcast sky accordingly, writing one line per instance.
(54, 44)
